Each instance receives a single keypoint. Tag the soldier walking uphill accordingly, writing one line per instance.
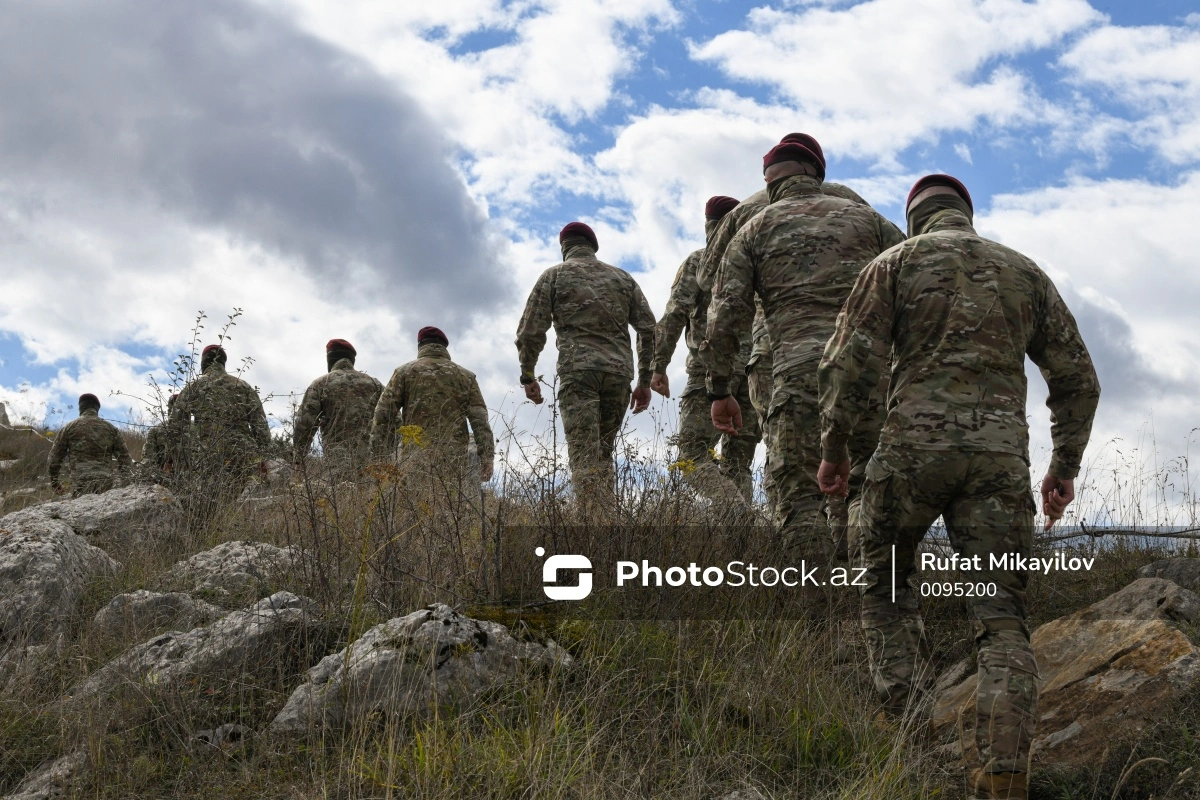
(341, 404)
(222, 431)
(958, 313)
(159, 451)
(800, 254)
(592, 305)
(427, 405)
(93, 450)
(687, 311)
(760, 363)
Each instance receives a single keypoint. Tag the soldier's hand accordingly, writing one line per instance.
(533, 391)
(1057, 494)
(486, 470)
(727, 415)
(834, 479)
(639, 399)
(660, 384)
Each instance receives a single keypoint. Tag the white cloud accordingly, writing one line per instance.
(882, 75)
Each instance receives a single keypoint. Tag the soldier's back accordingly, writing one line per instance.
(437, 395)
(347, 399)
(591, 311)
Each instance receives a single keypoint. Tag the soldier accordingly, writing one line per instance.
(158, 454)
(340, 403)
(437, 398)
(93, 449)
(800, 254)
(219, 422)
(687, 309)
(591, 305)
(760, 364)
(958, 313)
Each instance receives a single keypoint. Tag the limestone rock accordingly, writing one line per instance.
(1107, 672)
(50, 780)
(135, 614)
(239, 642)
(223, 736)
(44, 569)
(400, 666)
(1183, 571)
(232, 572)
(134, 511)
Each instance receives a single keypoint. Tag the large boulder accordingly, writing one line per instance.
(1183, 571)
(1107, 672)
(44, 568)
(129, 511)
(242, 642)
(52, 779)
(135, 614)
(232, 572)
(399, 667)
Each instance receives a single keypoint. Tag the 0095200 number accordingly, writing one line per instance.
(955, 589)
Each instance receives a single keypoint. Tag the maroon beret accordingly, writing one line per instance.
(718, 206)
(578, 229)
(88, 401)
(793, 151)
(430, 332)
(940, 180)
(807, 141)
(212, 348)
(340, 344)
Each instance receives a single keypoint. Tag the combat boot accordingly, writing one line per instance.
(999, 785)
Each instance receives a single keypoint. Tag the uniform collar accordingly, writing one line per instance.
(793, 186)
(433, 350)
(341, 364)
(89, 412)
(579, 251)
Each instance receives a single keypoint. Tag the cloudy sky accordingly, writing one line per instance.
(361, 170)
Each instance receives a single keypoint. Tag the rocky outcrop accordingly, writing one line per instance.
(232, 572)
(239, 642)
(1183, 571)
(135, 614)
(410, 664)
(1107, 672)
(131, 511)
(51, 780)
(44, 568)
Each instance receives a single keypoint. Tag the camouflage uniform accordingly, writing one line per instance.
(800, 255)
(156, 454)
(958, 313)
(687, 311)
(341, 404)
(94, 452)
(222, 434)
(427, 405)
(591, 305)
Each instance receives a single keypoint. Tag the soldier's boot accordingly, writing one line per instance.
(999, 785)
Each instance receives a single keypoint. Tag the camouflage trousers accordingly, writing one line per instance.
(88, 479)
(793, 434)
(986, 503)
(843, 511)
(759, 384)
(728, 480)
(592, 404)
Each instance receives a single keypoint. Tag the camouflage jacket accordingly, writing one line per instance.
(438, 398)
(221, 415)
(341, 404)
(592, 305)
(958, 314)
(800, 255)
(686, 312)
(91, 447)
(156, 449)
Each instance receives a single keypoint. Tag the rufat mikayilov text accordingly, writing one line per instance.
(1058, 562)
(736, 574)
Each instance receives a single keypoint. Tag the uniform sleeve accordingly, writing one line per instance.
(641, 318)
(675, 318)
(889, 234)
(1058, 350)
(120, 451)
(854, 357)
(481, 429)
(383, 424)
(710, 262)
(308, 417)
(761, 340)
(58, 452)
(731, 311)
(531, 332)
